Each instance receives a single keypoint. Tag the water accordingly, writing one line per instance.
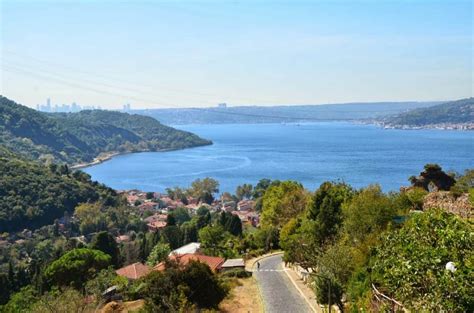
(309, 153)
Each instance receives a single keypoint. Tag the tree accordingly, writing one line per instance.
(158, 253)
(106, 243)
(189, 231)
(244, 191)
(172, 236)
(180, 215)
(231, 223)
(433, 175)
(282, 202)
(212, 238)
(368, 212)
(76, 267)
(204, 189)
(325, 208)
(150, 195)
(90, 217)
(179, 289)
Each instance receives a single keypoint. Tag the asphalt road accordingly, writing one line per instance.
(278, 292)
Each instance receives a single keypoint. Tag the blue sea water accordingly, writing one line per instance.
(309, 153)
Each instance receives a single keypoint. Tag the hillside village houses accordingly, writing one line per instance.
(154, 209)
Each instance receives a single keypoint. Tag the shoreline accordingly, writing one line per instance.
(110, 155)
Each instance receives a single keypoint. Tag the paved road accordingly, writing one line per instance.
(278, 292)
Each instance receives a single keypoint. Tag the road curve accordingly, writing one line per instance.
(278, 292)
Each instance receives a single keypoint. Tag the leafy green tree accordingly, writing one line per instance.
(189, 231)
(158, 254)
(180, 215)
(180, 289)
(21, 301)
(172, 236)
(76, 267)
(368, 212)
(90, 217)
(325, 208)
(212, 239)
(231, 223)
(204, 189)
(282, 202)
(106, 243)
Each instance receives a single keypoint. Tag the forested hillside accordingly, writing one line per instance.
(33, 195)
(80, 137)
(454, 112)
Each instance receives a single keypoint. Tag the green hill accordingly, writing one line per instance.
(454, 112)
(33, 195)
(80, 137)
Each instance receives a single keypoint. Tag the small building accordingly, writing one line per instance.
(156, 225)
(232, 264)
(190, 248)
(134, 271)
(245, 205)
(122, 238)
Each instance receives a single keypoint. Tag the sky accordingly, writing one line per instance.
(155, 54)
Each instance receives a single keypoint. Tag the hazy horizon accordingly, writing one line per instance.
(198, 54)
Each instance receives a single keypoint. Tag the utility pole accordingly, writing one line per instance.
(329, 296)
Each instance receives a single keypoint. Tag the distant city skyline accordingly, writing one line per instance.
(63, 107)
(162, 54)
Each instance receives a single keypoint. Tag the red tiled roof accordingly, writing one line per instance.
(213, 262)
(134, 271)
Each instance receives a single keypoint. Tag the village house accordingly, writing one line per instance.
(214, 263)
(245, 205)
(134, 271)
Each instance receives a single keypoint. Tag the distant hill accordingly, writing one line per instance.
(453, 114)
(280, 114)
(80, 137)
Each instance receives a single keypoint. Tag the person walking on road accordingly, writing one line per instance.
(258, 266)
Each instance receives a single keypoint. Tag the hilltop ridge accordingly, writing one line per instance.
(80, 137)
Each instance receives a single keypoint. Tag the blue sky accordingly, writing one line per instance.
(200, 53)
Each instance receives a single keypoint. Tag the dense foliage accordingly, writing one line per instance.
(76, 267)
(409, 264)
(177, 288)
(33, 195)
(80, 137)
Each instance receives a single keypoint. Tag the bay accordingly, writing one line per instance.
(309, 153)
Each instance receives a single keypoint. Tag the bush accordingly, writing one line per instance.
(237, 273)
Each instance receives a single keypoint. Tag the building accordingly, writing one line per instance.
(190, 248)
(232, 264)
(214, 263)
(134, 271)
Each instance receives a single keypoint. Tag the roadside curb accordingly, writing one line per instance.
(299, 289)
